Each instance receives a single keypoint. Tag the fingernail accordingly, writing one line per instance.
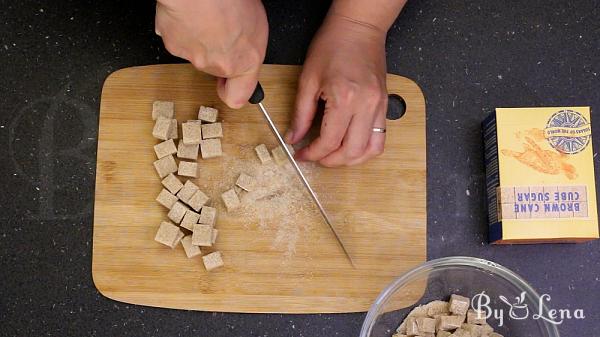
(289, 136)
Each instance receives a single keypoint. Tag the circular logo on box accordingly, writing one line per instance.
(568, 131)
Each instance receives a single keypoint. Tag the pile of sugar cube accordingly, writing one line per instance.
(446, 319)
(188, 207)
(187, 204)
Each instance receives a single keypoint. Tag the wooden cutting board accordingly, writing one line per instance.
(379, 208)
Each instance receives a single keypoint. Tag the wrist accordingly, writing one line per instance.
(353, 27)
(375, 14)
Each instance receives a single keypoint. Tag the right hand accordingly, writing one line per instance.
(225, 38)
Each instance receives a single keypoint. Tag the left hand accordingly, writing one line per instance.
(345, 66)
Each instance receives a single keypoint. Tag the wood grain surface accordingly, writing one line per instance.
(379, 208)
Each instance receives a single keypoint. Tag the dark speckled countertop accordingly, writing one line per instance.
(467, 56)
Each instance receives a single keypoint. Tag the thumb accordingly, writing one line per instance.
(236, 91)
(305, 110)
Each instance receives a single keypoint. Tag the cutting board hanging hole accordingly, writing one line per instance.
(396, 107)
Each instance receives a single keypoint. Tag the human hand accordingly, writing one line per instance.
(224, 38)
(345, 67)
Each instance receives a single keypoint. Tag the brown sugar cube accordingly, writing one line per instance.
(208, 215)
(167, 234)
(486, 329)
(437, 308)
(459, 304)
(461, 333)
(177, 212)
(165, 148)
(399, 335)
(420, 311)
(494, 334)
(279, 154)
(166, 199)
(477, 330)
(188, 169)
(187, 151)
(198, 200)
(215, 233)
(189, 248)
(172, 183)
(180, 236)
(443, 333)
(202, 235)
(187, 191)
(165, 165)
(231, 200)
(213, 261)
(263, 154)
(191, 133)
(425, 325)
(189, 220)
(213, 130)
(208, 114)
(174, 134)
(211, 148)
(411, 326)
(162, 129)
(475, 317)
(245, 182)
(163, 109)
(450, 322)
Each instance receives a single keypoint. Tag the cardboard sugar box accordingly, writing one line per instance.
(540, 175)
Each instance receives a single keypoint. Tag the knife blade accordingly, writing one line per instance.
(257, 97)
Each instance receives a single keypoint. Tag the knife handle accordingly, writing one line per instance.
(395, 109)
(258, 95)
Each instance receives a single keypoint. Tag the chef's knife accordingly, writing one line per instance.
(257, 97)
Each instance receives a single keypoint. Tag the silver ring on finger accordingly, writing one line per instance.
(379, 130)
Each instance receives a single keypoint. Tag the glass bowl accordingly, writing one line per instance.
(512, 302)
